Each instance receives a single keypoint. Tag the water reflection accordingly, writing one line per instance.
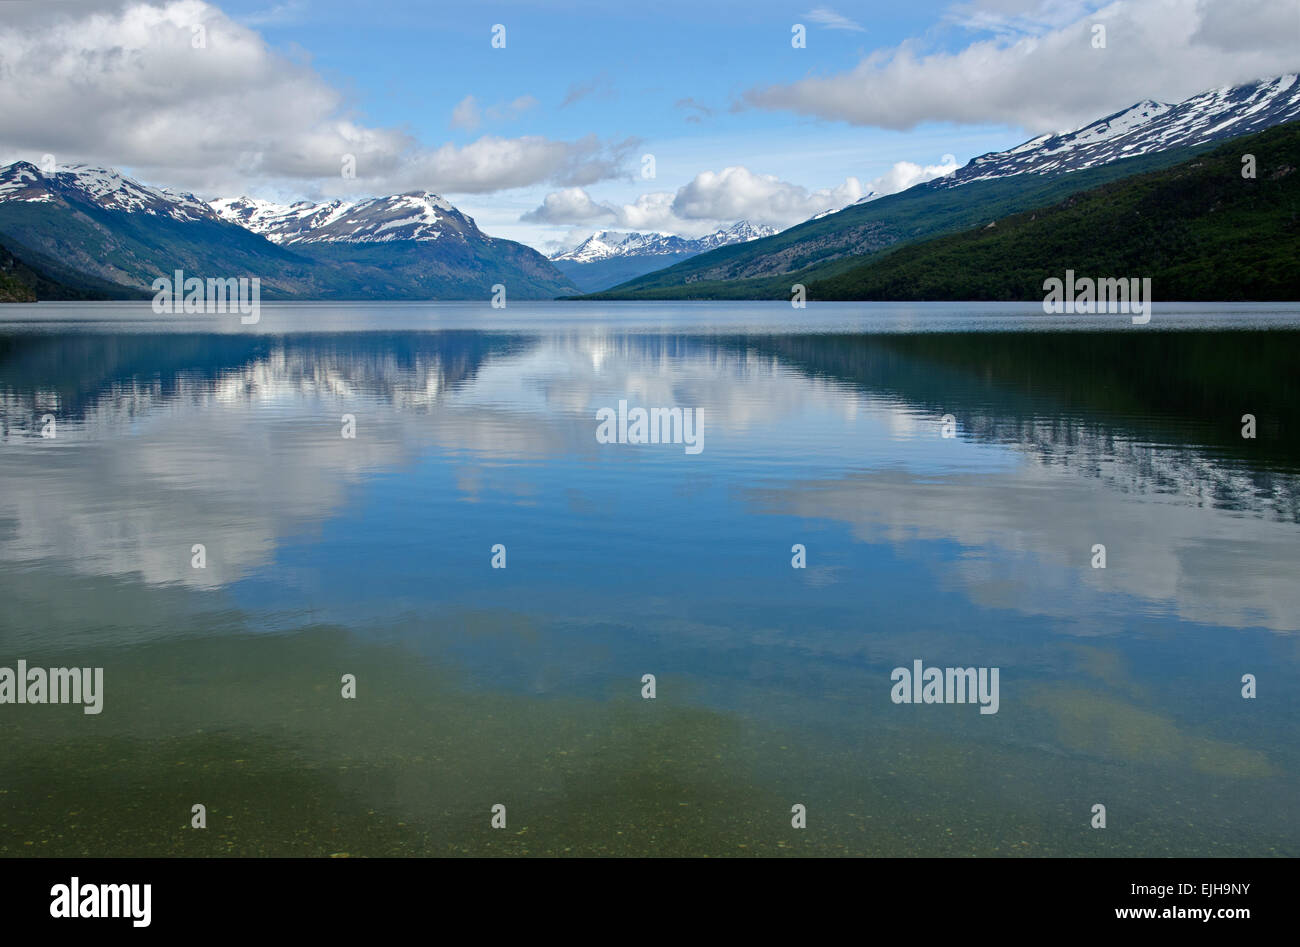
(373, 552)
(166, 441)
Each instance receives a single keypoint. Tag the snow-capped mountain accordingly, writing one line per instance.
(607, 245)
(1145, 127)
(103, 187)
(740, 232)
(97, 230)
(417, 215)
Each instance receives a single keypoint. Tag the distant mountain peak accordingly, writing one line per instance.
(607, 244)
(413, 215)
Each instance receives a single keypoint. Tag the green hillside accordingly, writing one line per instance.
(1199, 230)
(87, 247)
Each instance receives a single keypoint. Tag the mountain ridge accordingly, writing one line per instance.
(599, 247)
(1199, 230)
(1145, 126)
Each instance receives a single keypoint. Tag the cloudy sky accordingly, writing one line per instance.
(544, 139)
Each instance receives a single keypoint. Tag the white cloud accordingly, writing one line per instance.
(125, 85)
(716, 199)
(905, 174)
(825, 16)
(1040, 71)
(737, 192)
(709, 201)
(572, 205)
(654, 211)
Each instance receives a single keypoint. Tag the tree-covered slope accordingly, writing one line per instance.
(13, 288)
(1199, 230)
(24, 279)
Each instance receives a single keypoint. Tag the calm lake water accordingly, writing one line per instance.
(522, 686)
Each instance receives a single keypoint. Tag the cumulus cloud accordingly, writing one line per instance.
(1040, 71)
(716, 199)
(572, 205)
(185, 96)
(905, 174)
(737, 192)
(709, 201)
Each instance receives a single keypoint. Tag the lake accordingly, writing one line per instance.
(948, 470)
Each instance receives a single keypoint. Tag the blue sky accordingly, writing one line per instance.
(542, 141)
(641, 70)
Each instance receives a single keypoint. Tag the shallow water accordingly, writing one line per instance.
(522, 686)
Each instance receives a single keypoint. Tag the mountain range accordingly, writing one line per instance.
(96, 231)
(90, 232)
(1038, 173)
(82, 232)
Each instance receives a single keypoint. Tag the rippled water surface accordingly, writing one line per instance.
(522, 686)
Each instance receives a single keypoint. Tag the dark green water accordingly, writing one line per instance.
(521, 686)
